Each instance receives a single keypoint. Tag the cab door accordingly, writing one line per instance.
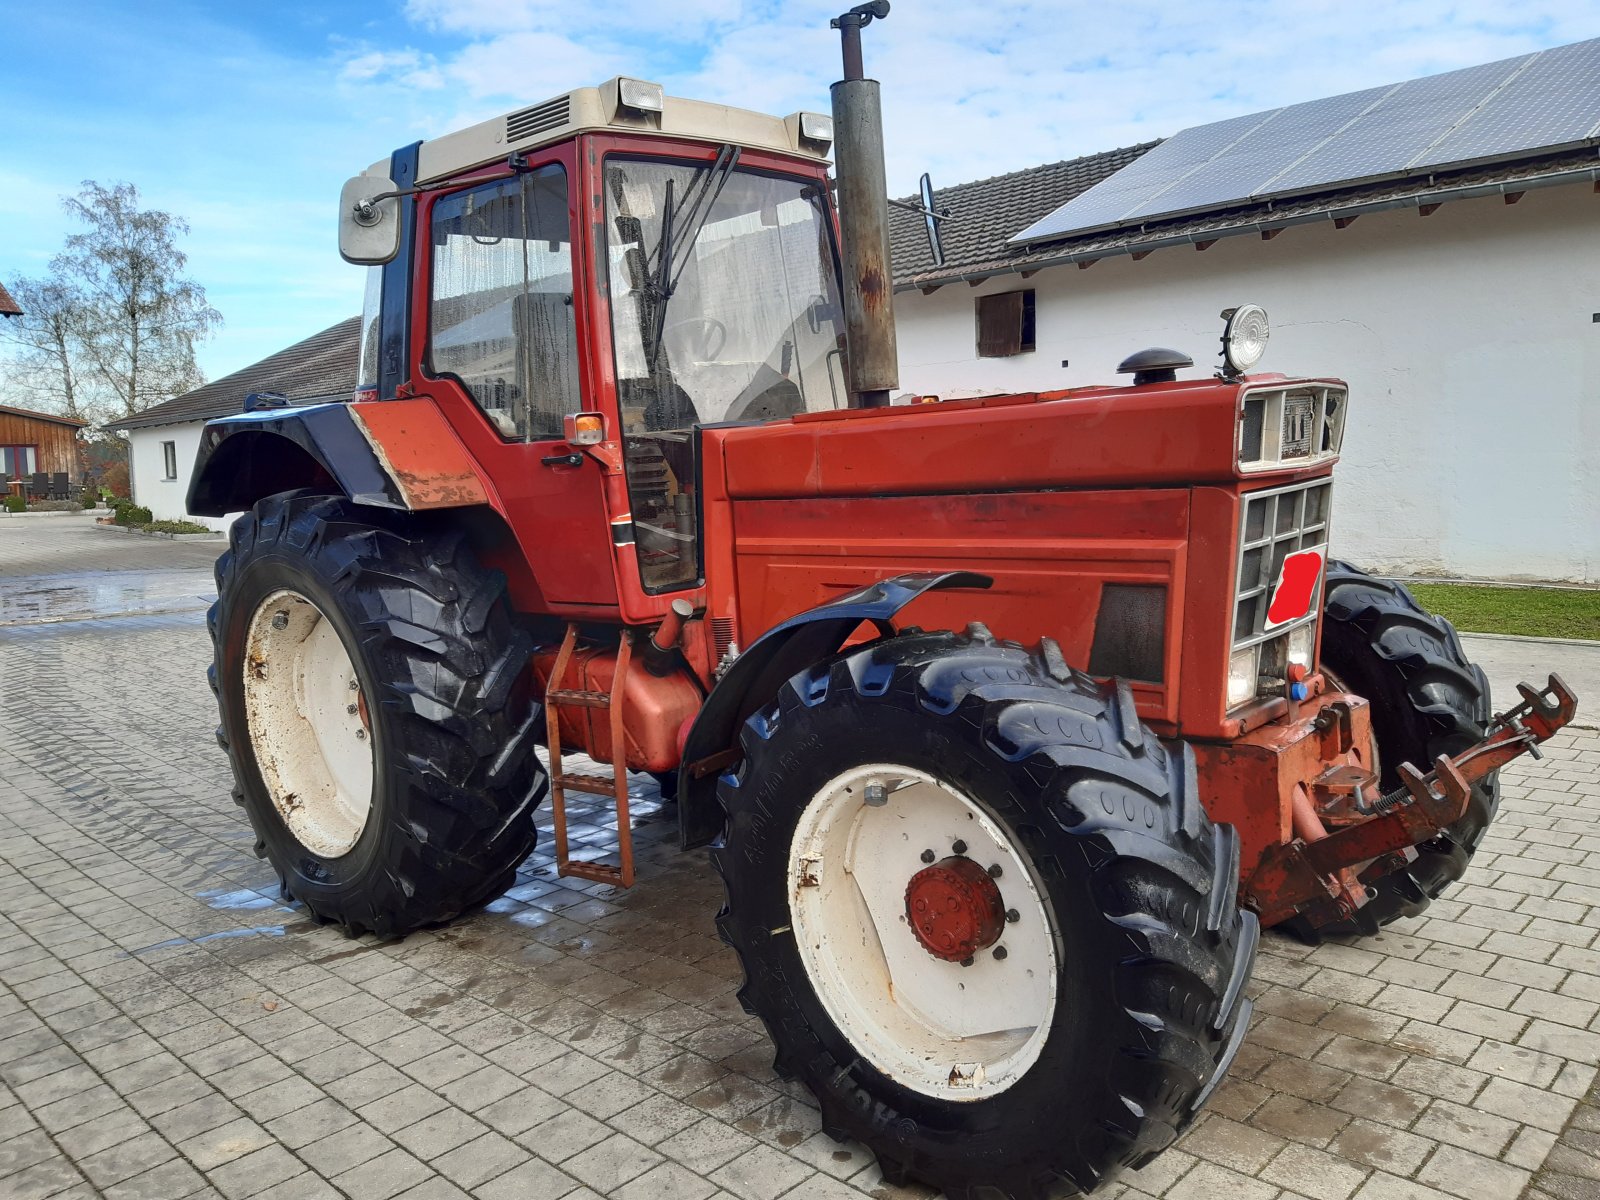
(501, 356)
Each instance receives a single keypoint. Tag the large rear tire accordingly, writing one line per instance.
(375, 711)
(1426, 699)
(1086, 1034)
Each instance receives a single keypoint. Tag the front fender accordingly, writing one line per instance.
(757, 674)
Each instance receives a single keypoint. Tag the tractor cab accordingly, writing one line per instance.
(618, 273)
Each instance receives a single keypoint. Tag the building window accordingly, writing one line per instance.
(169, 457)
(1005, 324)
(17, 461)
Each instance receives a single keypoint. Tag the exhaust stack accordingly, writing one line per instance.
(864, 217)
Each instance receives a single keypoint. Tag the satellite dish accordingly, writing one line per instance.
(930, 217)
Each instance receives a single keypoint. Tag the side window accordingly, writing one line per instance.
(502, 320)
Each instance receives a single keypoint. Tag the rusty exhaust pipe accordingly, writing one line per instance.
(864, 217)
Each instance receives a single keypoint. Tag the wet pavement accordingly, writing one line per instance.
(169, 1027)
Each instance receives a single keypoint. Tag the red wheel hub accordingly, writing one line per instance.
(954, 909)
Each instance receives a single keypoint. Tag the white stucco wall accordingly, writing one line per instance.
(147, 469)
(1468, 339)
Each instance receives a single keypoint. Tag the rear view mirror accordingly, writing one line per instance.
(369, 227)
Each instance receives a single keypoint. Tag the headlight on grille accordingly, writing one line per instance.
(1243, 668)
(1296, 426)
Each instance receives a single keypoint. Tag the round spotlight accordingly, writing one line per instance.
(1244, 338)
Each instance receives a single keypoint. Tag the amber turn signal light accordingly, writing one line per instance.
(586, 429)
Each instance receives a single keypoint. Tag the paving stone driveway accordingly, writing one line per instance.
(169, 1028)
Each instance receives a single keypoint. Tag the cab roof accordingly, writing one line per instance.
(607, 108)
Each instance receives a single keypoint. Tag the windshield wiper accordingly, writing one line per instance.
(704, 190)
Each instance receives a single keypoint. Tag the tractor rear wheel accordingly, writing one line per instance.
(1426, 699)
(983, 915)
(374, 710)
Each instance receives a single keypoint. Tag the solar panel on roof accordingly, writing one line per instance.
(1554, 102)
(1501, 109)
(1390, 135)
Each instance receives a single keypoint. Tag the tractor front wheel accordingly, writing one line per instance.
(374, 710)
(983, 915)
(1427, 699)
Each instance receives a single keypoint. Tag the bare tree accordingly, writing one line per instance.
(143, 316)
(49, 341)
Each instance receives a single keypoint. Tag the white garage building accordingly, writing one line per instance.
(163, 440)
(1460, 299)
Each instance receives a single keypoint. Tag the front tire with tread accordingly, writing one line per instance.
(1153, 951)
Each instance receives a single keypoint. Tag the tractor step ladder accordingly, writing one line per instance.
(556, 698)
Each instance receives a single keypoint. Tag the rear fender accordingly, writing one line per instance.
(392, 454)
(757, 674)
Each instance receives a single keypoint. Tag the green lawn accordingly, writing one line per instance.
(1529, 612)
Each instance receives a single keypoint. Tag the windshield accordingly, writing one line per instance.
(724, 307)
(752, 327)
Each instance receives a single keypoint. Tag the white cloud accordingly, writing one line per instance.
(406, 67)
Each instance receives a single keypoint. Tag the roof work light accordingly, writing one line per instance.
(1244, 338)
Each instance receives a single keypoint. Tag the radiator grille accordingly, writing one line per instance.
(1273, 525)
(541, 118)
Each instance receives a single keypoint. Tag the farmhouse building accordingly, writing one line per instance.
(36, 443)
(1433, 243)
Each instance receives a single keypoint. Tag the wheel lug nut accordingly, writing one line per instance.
(351, 708)
(354, 686)
(967, 962)
(999, 951)
(280, 620)
(960, 847)
(361, 735)
(927, 856)
(1013, 916)
(876, 795)
(994, 871)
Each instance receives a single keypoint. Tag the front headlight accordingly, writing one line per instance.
(1301, 643)
(1243, 668)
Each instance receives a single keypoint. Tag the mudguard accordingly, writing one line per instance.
(254, 454)
(757, 674)
(391, 453)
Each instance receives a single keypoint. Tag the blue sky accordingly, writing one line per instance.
(245, 118)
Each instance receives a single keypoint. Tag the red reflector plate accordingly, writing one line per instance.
(1296, 587)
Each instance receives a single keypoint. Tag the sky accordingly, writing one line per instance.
(245, 118)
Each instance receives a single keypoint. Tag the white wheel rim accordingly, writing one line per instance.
(303, 707)
(945, 1030)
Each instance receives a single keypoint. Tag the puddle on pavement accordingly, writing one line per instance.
(85, 595)
(242, 899)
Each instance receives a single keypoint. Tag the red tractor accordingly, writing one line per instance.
(1010, 719)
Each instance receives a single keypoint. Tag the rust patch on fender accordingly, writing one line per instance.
(421, 453)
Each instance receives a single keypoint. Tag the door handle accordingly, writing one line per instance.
(563, 460)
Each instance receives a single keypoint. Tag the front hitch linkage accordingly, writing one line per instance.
(1306, 877)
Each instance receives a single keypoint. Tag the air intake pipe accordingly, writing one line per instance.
(864, 218)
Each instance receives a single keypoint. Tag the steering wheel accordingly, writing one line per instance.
(713, 332)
